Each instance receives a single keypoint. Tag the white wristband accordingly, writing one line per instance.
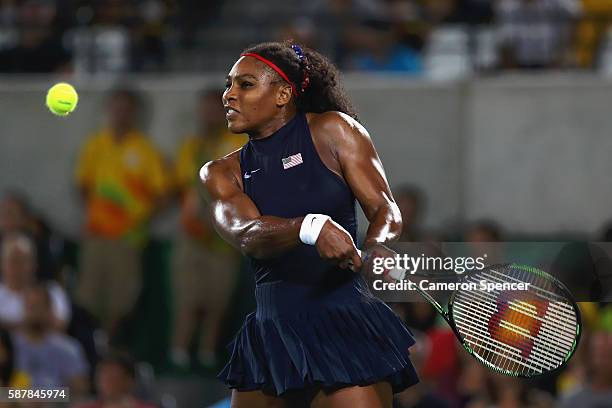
(311, 228)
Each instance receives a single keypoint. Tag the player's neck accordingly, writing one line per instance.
(273, 125)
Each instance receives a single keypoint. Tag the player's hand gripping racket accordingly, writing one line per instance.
(520, 333)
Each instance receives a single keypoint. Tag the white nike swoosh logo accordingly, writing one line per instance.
(248, 175)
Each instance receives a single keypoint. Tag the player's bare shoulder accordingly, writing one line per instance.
(220, 172)
(336, 128)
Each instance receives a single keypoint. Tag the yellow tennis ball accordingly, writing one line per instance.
(62, 99)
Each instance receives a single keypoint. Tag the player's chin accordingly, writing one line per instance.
(236, 126)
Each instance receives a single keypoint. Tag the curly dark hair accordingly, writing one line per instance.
(323, 93)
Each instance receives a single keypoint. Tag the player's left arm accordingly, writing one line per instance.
(363, 171)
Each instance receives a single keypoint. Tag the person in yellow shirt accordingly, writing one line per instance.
(204, 266)
(122, 179)
(592, 30)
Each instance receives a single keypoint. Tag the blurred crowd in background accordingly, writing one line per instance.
(429, 38)
(83, 311)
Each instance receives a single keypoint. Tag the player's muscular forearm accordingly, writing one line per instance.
(385, 224)
(362, 169)
(237, 219)
(260, 237)
(269, 236)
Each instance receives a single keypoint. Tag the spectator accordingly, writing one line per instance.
(534, 34)
(193, 15)
(115, 381)
(474, 11)
(51, 359)
(458, 11)
(411, 202)
(440, 11)
(204, 266)
(14, 213)
(515, 393)
(483, 238)
(105, 44)
(471, 383)
(302, 30)
(39, 48)
(10, 376)
(8, 13)
(606, 233)
(408, 24)
(149, 48)
(585, 269)
(16, 216)
(483, 231)
(591, 31)
(18, 275)
(380, 50)
(438, 361)
(122, 178)
(421, 395)
(480, 387)
(372, 35)
(341, 21)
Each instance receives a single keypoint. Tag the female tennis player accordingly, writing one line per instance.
(287, 200)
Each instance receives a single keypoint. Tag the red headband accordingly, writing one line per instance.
(274, 67)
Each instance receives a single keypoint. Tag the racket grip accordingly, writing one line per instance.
(395, 273)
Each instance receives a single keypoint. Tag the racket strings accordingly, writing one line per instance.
(518, 322)
(502, 354)
(519, 333)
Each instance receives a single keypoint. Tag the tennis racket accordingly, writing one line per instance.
(519, 333)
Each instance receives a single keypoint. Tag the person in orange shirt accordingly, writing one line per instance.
(204, 265)
(122, 179)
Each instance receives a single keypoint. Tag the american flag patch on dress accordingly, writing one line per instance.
(292, 161)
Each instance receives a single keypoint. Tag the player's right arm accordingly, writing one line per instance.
(238, 220)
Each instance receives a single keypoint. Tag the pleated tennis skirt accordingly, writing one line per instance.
(302, 337)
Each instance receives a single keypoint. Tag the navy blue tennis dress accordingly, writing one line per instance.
(315, 324)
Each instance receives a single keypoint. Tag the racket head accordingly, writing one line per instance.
(523, 334)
